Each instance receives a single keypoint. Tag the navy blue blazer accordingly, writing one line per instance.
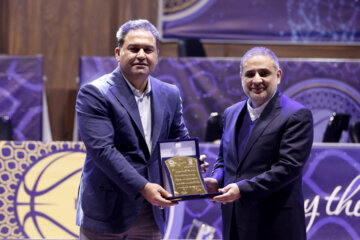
(269, 173)
(118, 163)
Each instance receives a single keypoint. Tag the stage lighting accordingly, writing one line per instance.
(338, 122)
(6, 130)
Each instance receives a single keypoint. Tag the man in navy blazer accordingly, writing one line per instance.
(265, 143)
(121, 116)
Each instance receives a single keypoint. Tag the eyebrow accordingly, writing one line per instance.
(140, 45)
(258, 69)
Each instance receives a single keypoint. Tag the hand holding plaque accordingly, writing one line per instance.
(180, 168)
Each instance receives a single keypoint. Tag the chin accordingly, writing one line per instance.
(259, 98)
(141, 73)
(258, 95)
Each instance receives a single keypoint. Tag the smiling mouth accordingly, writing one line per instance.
(257, 90)
(140, 64)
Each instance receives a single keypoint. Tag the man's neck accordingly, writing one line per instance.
(139, 83)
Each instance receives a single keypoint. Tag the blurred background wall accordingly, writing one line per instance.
(63, 30)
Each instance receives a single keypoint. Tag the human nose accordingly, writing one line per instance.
(141, 53)
(257, 78)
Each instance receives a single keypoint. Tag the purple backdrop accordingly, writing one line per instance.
(21, 87)
(210, 85)
(289, 21)
(331, 191)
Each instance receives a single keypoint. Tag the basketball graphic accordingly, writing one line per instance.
(45, 200)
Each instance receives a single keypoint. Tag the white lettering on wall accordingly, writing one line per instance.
(337, 203)
(346, 201)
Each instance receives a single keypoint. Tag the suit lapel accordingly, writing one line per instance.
(124, 95)
(158, 102)
(270, 112)
(233, 133)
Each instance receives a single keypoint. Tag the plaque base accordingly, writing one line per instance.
(193, 197)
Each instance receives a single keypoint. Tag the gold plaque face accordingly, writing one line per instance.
(185, 176)
(180, 170)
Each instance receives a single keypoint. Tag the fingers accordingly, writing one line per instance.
(156, 195)
(230, 193)
(160, 196)
(166, 202)
(164, 193)
(212, 184)
(203, 164)
(162, 202)
(225, 189)
(223, 198)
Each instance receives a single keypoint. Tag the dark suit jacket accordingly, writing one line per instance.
(269, 174)
(118, 163)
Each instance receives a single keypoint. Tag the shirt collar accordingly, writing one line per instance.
(256, 112)
(135, 91)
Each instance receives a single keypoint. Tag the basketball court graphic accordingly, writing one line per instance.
(39, 197)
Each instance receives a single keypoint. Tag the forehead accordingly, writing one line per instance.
(139, 36)
(258, 61)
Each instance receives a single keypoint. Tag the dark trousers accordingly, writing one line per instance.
(144, 228)
(233, 229)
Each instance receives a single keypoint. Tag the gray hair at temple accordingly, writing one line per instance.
(260, 51)
(134, 25)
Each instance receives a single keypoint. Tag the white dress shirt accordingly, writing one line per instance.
(144, 106)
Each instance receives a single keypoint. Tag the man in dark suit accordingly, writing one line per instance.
(265, 144)
(121, 116)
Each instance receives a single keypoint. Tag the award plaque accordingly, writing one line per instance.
(181, 171)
